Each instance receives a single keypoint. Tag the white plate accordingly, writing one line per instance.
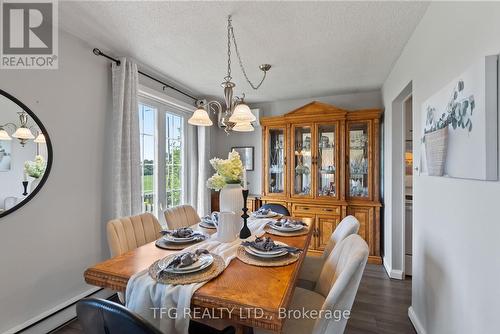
(286, 229)
(269, 215)
(268, 253)
(250, 251)
(180, 240)
(203, 262)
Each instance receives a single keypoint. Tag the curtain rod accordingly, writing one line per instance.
(98, 52)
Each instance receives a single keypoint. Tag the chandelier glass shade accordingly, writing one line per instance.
(4, 135)
(200, 118)
(243, 127)
(242, 114)
(23, 133)
(40, 139)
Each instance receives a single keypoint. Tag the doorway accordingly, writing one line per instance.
(408, 184)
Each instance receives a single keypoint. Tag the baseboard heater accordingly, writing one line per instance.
(58, 316)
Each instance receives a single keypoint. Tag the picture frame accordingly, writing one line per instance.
(246, 156)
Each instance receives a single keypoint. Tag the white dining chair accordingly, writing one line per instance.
(181, 216)
(312, 265)
(334, 294)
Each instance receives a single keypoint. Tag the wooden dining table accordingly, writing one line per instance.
(243, 295)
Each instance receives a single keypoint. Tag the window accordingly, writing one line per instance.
(173, 162)
(147, 130)
(162, 134)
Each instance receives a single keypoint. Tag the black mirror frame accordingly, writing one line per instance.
(49, 154)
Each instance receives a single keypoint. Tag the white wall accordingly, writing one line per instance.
(223, 143)
(455, 222)
(46, 245)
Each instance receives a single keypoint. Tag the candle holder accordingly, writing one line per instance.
(245, 231)
(25, 185)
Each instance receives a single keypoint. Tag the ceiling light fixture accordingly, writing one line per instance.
(236, 116)
(23, 132)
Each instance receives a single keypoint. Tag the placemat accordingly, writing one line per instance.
(214, 270)
(163, 244)
(260, 262)
(270, 230)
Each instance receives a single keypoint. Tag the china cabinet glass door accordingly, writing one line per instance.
(276, 161)
(326, 160)
(359, 178)
(302, 160)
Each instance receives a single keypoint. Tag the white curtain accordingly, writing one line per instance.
(126, 142)
(199, 151)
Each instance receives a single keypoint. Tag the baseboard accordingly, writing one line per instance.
(393, 273)
(58, 315)
(414, 320)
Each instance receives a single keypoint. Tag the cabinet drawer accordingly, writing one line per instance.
(318, 210)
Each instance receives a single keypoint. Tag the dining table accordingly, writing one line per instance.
(243, 295)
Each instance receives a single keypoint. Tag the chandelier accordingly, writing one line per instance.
(22, 132)
(235, 115)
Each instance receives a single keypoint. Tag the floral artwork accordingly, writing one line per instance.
(227, 171)
(36, 168)
(459, 125)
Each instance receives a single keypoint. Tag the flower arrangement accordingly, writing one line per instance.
(35, 168)
(227, 171)
(458, 112)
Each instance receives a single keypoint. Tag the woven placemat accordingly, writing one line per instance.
(164, 244)
(214, 270)
(270, 230)
(261, 262)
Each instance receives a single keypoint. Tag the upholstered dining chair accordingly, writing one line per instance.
(127, 233)
(312, 265)
(100, 316)
(278, 208)
(334, 294)
(181, 216)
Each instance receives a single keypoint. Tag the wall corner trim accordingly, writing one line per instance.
(414, 320)
(393, 273)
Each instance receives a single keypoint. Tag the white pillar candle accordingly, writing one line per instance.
(244, 179)
(25, 176)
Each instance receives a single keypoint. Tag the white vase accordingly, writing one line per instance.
(34, 184)
(436, 147)
(231, 199)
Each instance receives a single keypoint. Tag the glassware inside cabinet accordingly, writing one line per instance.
(276, 161)
(327, 167)
(358, 160)
(302, 161)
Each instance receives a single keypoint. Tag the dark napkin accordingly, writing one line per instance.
(184, 232)
(208, 220)
(267, 244)
(287, 222)
(186, 259)
(262, 211)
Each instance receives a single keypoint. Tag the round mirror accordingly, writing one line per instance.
(25, 154)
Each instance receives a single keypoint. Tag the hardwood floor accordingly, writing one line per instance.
(381, 306)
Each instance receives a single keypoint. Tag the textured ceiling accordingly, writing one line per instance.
(316, 48)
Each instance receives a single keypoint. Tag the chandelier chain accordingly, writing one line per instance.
(229, 28)
(230, 34)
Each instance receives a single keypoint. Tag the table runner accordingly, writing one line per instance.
(146, 297)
